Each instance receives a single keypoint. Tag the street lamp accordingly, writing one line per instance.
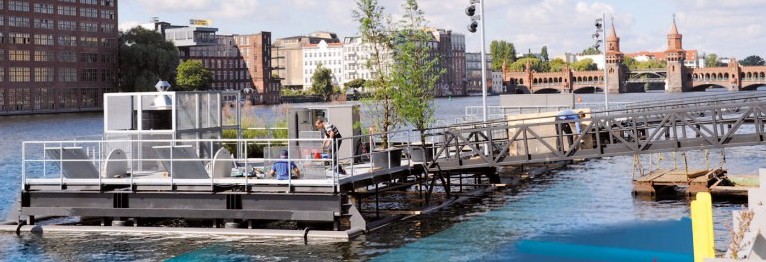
(600, 25)
(471, 12)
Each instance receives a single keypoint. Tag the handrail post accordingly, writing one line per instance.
(24, 164)
(61, 164)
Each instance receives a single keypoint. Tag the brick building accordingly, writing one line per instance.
(57, 56)
(238, 62)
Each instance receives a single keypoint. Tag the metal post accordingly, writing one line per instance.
(606, 86)
(483, 63)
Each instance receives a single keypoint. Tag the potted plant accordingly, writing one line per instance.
(375, 28)
(415, 75)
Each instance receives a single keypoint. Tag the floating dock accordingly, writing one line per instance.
(668, 182)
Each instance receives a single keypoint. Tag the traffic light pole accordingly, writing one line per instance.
(606, 86)
(483, 64)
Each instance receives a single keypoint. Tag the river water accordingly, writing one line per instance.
(578, 200)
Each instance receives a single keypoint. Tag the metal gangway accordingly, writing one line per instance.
(718, 121)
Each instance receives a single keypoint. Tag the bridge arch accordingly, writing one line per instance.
(705, 87)
(648, 74)
(753, 87)
(547, 91)
(522, 89)
(585, 90)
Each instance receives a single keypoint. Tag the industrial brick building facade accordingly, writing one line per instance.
(57, 55)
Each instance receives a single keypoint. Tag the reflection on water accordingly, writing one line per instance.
(584, 197)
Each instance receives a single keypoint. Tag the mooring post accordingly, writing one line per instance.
(377, 209)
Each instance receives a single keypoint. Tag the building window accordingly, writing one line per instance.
(19, 55)
(44, 23)
(109, 42)
(89, 12)
(67, 10)
(108, 75)
(89, 41)
(89, 2)
(88, 57)
(44, 74)
(44, 39)
(18, 21)
(44, 8)
(18, 6)
(107, 14)
(44, 56)
(67, 74)
(107, 28)
(67, 56)
(109, 58)
(88, 27)
(67, 25)
(18, 74)
(89, 75)
(67, 40)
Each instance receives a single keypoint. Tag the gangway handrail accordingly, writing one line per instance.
(676, 129)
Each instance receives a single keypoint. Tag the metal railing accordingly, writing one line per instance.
(90, 162)
(543, 139)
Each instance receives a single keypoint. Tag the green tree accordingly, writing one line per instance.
(584, 65)
(711, 60)
(193, 76)
(356, 83)
(752, 60)
(544, 54)
(591, 51)
(651, 64)
(535, 64)
(416, 71)
(145, 58)
(321, 83)
(556, 65)
(630, 63)
(374, 28)
(501, 52)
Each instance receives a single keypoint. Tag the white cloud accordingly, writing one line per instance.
(176, 5)
(725, 27)
(124, 26)
(728, 28)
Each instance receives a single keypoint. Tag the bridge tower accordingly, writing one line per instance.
(675, 56)
(615, 71)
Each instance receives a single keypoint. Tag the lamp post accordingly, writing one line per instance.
(600, 27)
(471, 12)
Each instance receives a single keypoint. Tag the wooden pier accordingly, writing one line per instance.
(667, 182)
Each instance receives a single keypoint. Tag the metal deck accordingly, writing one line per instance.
(149, 185)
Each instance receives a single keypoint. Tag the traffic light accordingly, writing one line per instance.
(470, 11)
(472, 26)
(599, 23)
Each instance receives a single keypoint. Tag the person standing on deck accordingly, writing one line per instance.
(566, 128)
(333, 135)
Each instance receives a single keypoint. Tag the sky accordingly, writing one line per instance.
(729, 28)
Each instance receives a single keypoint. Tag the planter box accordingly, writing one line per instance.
(391, 157)
(418, 155)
